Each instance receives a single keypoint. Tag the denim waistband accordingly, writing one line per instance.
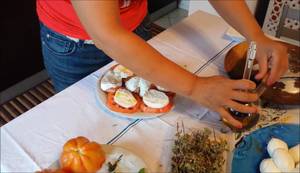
(77, 40)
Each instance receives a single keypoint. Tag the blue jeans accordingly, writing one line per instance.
(67, 61)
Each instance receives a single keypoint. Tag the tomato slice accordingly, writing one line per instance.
(171, 95)
(112, 90)
(147, 109)
(112, 105)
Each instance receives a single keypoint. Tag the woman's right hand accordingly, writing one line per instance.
(219, 93)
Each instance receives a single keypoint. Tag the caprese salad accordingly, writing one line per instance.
(128, 93)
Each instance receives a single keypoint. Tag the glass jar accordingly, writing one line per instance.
(248, 120)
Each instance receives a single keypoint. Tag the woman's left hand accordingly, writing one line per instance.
(271, 54)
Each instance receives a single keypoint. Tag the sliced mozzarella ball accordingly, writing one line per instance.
(122, 71)
(268, 166)
(295, 153)
(144, 86)
(124, 98)
(274, 144)
(155, 99)
(283, 160)
(109, 81)
(133, 84)
(161, 88)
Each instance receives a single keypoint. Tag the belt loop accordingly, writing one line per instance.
(80, 43)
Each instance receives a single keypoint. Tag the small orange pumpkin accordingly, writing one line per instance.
(81, 155)
(53, 171)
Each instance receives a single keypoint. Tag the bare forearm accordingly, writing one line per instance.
(238, 15)
(145, 61)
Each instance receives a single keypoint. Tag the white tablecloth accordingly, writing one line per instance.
(34, 140)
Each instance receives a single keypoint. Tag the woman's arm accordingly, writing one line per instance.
(238, 15)
(101, 21)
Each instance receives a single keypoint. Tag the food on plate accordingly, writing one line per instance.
(81, 155)
(110, 82)
(128, 93)
(112, 166)
(122, 72)
(131, 102)
(138, 85)
(283, 160)
(132, 84)
(274, 144)
(120, 160)
(155, 101)
(125, 98)
(295, 153)
(144, 86)
(198, 151)
(268, 166)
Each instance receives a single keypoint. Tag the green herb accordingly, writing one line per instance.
(112, 167)
(142, 170)
(196, 152)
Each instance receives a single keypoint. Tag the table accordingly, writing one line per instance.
(34, 140)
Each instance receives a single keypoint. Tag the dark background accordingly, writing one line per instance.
(20, 54)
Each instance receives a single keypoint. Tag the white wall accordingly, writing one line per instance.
(204, 5)
(184, 4)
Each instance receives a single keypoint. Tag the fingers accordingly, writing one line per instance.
(224, 114)
(263, 67)
(244, 96)
(243, 84)
(279, 66)
(241, 108)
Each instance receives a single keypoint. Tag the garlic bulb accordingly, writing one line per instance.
(268, 166)
(274, 144)
(295, 153)
(283, 160)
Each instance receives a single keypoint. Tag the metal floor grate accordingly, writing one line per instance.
(24, 102)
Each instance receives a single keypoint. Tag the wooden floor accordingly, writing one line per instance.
(36, 95)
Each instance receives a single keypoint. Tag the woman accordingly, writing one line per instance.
(80, 36)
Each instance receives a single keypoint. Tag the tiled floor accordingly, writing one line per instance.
(172, 18)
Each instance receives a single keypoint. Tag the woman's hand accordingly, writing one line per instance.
(218, 93)
(272, 54)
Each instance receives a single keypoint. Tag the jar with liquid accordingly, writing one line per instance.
(248, 120)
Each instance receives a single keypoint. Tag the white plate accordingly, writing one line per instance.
(101, 97)
(128, 163)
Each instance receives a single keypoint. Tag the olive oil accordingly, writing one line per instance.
(248, 120)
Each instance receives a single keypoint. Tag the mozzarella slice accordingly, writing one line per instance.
(133, 84)
(283, 160)
(109, 81)
(124, 98)
(155, 99)
(274, 144)
(122, 71)
(295, 153)
(144, 86)
(268, 166)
